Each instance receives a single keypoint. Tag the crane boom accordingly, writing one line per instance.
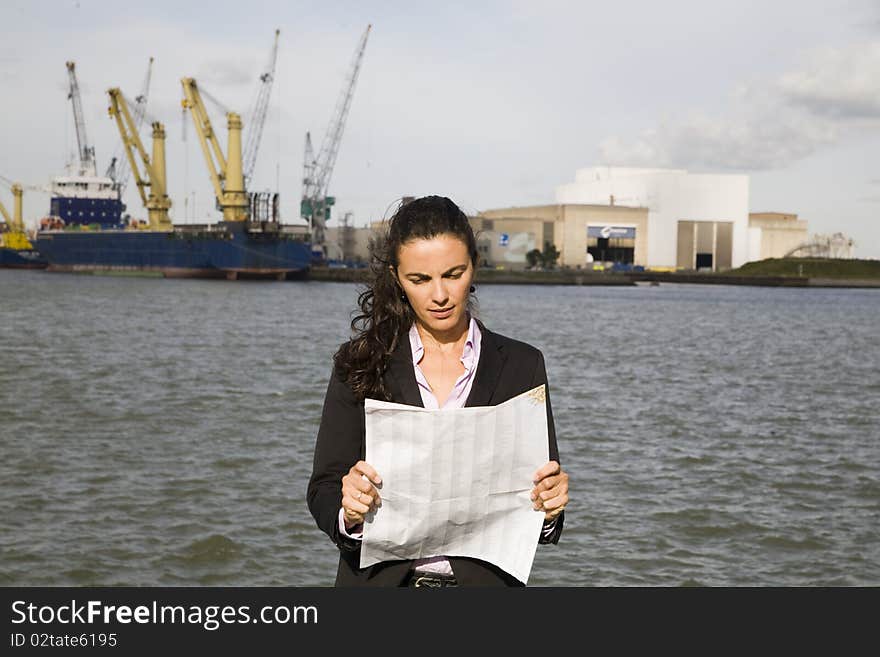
(309, 166)
(157, 203)
(315, 206)
(226, 172)
(333, 137)
(259, 113)
(119, 168)
(86, 152)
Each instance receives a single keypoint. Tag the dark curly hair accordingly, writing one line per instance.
(385, 315)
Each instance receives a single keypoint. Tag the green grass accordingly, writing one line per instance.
(811, 268)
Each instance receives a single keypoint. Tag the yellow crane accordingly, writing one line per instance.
(157, 202)
(14, 237)
(226, 172)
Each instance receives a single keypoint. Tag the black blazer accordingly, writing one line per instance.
(506, 369)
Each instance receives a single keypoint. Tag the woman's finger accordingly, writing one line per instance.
(550, 487)
(363, 491)
(352, 503)
(550, 468)
(556, 491)
(547, 483)
(364, 468)
(363, 498)
(555, 504)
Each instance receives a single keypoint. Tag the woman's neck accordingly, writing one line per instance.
(444, 341)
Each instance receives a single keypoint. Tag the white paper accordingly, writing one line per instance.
(456, 482)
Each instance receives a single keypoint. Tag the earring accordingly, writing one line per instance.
(473, 289)
(403, 297)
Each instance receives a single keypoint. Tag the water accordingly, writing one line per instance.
(160, 432)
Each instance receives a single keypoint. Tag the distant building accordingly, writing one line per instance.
(348, 243)
(695, 221)
(583, 234)
(656, 218)
(775, 234)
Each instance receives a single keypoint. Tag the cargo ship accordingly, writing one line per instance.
(12, 257)
(16, 250)
(15, 258)
(228, 250)
(86, 231)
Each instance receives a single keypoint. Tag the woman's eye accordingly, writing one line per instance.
(454, 276)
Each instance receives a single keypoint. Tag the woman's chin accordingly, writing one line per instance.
(442, 323)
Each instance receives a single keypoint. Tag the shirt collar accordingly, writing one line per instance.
(467, 354)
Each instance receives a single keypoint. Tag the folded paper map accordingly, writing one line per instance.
(456, 482)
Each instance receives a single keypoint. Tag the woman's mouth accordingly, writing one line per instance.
(441, 313)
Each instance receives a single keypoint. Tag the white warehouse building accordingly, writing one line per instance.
(695, 221)
(653, 218)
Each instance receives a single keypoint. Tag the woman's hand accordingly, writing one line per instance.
(359, 495)
(551, 490)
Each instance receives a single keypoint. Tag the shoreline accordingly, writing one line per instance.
(580, 277)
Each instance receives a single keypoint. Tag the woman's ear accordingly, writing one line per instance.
(394, 277)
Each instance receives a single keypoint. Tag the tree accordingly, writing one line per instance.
(534, 257)
(550, 255)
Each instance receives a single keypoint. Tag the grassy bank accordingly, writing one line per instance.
(774, 272)
(811, 268)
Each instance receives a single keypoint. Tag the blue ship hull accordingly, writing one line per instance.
(230, 250)
(21, 259)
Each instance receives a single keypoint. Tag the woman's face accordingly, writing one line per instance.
(436, 276)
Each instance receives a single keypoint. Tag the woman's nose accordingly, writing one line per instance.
(439, 295)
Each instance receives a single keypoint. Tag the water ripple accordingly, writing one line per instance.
(162, 432)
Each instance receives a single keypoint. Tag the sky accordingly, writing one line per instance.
(493, 104)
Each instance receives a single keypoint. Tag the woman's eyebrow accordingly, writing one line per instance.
(448, 271)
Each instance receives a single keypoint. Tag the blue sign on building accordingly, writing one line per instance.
(503, 239)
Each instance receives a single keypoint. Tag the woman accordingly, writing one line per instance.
(416, 342)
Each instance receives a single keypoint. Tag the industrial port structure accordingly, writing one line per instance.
(85, 229)
(661, 219)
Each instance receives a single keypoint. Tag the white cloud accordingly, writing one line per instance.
(839, 83)
(749, 142)
(770, 124)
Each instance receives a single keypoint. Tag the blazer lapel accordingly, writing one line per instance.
(492, 358)
(401, 379)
